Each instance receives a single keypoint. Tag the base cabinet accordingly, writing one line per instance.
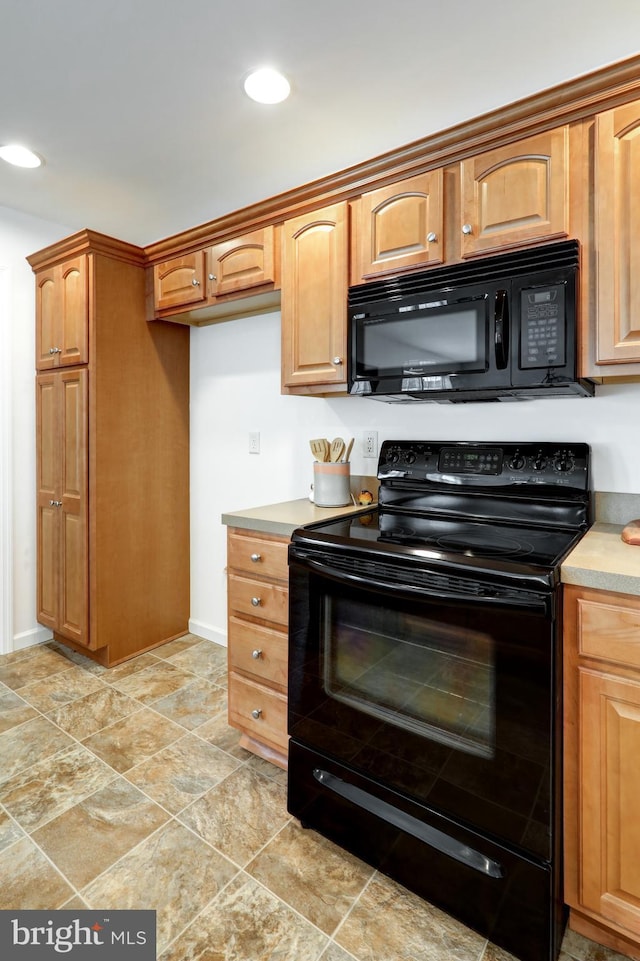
(258, 616)
(602, 780)
(112, 455)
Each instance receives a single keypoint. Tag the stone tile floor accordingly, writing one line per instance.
(125, 788)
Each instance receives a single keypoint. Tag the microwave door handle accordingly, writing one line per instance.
(501, 335)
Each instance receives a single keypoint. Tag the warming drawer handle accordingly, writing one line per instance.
(410, 825)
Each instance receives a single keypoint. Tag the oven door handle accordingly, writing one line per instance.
(479, 593)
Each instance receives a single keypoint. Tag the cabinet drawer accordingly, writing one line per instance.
(269, 602)
(610, 631)
(258, 711)
(257, 556)
(258, 651)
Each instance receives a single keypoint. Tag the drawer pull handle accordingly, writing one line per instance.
(256, 713)
(256, 654)
(255, 558)
(256, 601)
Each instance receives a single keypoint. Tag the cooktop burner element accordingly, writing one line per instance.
(473, 541)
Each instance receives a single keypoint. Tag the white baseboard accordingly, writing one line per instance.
(209, 633)
(37, 635)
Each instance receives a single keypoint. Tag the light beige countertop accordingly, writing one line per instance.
(602, 560)
(286, 517)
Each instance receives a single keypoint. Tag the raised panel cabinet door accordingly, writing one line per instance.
(62, 315)
(48, 481)
(242, 263)
(400, 226)
(62, 495)
(516, 194)
(74, 548)
(314, 298)
(180, 281)
(617, 214)
(609, 832)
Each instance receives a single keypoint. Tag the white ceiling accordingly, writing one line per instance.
(137, 106)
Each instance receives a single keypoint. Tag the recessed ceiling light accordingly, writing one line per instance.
(19, 156)
(267, 86)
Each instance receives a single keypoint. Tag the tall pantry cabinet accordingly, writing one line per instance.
(112, 455)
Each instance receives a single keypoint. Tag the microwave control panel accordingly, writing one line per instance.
(542, 327)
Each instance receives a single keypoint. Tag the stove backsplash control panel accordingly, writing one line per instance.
(465, 463)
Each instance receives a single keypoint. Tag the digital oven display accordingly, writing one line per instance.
(485, 460)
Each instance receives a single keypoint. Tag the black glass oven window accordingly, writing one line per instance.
(431, 338)
(425, 676)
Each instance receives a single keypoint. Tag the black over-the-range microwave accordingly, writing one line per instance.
(498, 328)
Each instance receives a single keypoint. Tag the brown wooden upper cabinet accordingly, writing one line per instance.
(399, 226)
(229, 268)
(62, 315)
(180, 282)
(516, 194)
(617, 219)
(314, 300)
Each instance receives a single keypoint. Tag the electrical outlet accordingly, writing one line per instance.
(370, 443)
(254, 442)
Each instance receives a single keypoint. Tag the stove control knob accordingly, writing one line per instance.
(411, 457)
(394, 457)
(564, 463)
(539, 462)
(517, 462)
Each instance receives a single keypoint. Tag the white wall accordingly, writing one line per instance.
(21, 235)
(235, 388)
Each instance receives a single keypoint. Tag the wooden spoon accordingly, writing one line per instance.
(336, 450)
(319, 447)
(347, 453)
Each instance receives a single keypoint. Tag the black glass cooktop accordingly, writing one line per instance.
(466, 539)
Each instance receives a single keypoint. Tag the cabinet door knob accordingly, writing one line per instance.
(467, 229)
(256, 655)
(256, 601)
(55, 350)
(255, 558)
(212, 277)
(337, 361)
(431, 237)
(55, 503)
(256, 713)
(195, 283)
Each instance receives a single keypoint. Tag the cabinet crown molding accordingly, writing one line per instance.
(83, 242)
(569, 102)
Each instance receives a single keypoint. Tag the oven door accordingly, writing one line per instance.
(447, 698)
